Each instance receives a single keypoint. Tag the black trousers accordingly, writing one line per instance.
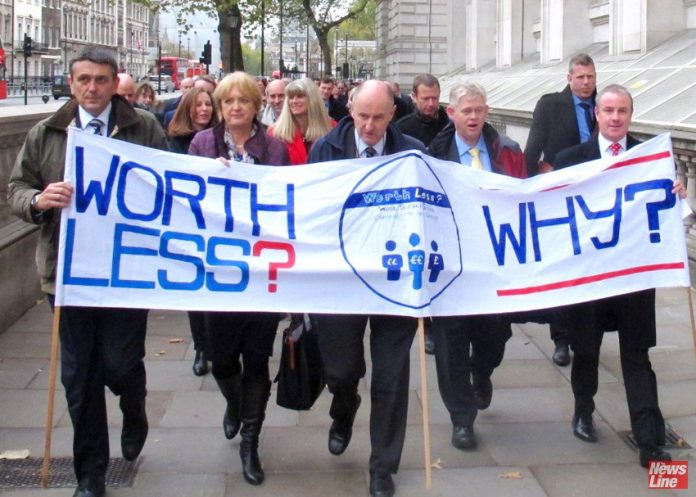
(633, 316)
(343, 356)
(466, 345)
(99, 347)
(199, 331)
(248, 335)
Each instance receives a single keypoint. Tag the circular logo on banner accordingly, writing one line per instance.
(399, 234)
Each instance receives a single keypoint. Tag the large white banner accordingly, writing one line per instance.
(405, 234)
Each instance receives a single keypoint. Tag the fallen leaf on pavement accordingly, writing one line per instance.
(162, 352)
(175, 340)
(437, 464)
(512, 475)
(14, 454)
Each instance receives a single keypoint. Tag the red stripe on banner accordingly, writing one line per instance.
(639, 160)
(589, 279)
(630, 162)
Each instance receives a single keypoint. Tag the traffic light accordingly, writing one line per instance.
(28, 46)
(207, 54)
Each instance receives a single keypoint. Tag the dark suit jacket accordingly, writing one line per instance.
(554, 128)
(585, 152)
(634, 312)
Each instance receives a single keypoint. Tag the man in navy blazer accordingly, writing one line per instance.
(631, 314)
(367, 132)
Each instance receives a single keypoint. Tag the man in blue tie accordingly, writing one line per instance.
(368, 132)
(562, 120)
(99, 346)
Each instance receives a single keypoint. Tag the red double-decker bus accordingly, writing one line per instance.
(175, 67)
(195, 68)
(3, 73)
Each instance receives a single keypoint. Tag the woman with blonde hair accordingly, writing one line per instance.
(249, 336)
(303, 119)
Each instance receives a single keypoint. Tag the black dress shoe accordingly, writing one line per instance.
(653, 454)
(583, 428)
(90, 486)
(341, 430)
(200, 364)
(561, 355)
(381, 485)
(134, 431)
(463, 437)
(483, 390)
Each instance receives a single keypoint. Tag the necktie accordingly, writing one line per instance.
(475, 158)
(96, 126)
(370, 152)
(588, 116)
(615, 149)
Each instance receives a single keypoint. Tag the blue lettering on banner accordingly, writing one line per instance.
(393, 196)
(528, 223)
(68, 278)
(167, 187)
(101, 196)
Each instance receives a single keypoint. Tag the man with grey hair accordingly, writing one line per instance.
(100, 347)
(367, 132)
(631, 314)
(275, 97)
(469, 348)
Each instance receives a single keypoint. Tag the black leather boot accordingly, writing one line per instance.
(254, 399)
(231, 390)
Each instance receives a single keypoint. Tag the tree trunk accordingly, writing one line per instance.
(323, 39)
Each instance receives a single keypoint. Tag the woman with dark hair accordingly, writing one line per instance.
(246, 386)
(194, 113)
(145, 97)
(303, 119)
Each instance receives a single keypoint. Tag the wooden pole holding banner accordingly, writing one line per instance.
(52, 367)
(426, 405)
(691, 315)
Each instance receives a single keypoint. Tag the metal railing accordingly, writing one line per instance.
(35, 87)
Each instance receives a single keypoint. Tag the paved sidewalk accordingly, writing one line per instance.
(526, 445)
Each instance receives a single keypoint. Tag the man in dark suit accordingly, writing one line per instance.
(334, 107)
(368, 132)
(631, 314)
(100, 347)
(562, 120)
(469, 348)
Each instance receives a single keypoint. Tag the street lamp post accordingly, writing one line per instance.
(234, 18)
(263, 22)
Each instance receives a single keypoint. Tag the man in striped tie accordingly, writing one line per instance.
(631, 314)
(469, 348)
(367, 132)
(99, 346)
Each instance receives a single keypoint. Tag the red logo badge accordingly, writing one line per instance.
(668, 475)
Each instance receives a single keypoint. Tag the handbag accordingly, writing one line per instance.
(300, 376)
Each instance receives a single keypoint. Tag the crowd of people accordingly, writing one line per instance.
(286, 123)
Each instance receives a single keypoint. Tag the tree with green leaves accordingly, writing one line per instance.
(321, 15)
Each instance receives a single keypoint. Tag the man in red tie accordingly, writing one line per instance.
(631, 314)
